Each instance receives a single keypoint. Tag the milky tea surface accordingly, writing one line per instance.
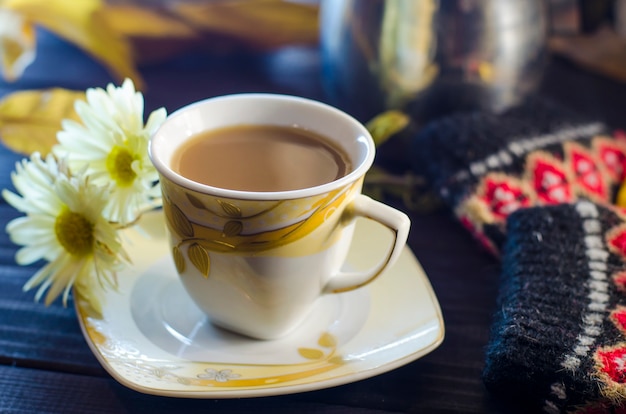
(260, 158)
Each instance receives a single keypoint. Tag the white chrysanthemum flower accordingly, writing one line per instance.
(63, 225)
(112, 143)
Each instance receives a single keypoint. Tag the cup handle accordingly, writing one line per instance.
(398, 222)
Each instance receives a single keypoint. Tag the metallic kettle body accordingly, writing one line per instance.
(431, 57)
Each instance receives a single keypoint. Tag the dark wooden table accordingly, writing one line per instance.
(46, 365)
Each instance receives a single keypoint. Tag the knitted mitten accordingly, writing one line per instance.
(559, 336)
(485, 166)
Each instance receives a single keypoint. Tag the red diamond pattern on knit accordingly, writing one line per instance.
(619, 279)
(616, 240)
(612, 153)
(612, 362)
(587, 172)
(503, 195)
(618, 317)
(549, 178)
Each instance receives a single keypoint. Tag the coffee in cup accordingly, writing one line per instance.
(261, 158)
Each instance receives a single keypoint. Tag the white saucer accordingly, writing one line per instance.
(153, 339)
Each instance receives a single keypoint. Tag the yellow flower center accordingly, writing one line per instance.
(74, 232)
(119, 167)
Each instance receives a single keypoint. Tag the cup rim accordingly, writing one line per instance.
(357, 172)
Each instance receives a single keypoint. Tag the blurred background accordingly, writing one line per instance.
(426, 58)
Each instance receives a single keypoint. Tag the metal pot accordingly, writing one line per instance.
(431, 57)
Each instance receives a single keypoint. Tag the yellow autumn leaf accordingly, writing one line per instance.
(30, 120)
(84, 24)
(135, 21)
(262, 23)
(385, 125)
(154, 33)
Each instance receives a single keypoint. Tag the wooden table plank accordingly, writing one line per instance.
(30, 391)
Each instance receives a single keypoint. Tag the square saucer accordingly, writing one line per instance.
(152, 338)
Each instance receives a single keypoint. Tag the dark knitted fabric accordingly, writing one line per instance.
(559, 337)
(486, 166)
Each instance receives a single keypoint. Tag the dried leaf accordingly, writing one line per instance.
(200, 258)
(385, 125)
(134, 21)
(179, 259)
(17, 44)
(310, 353)
(412, 189)
(263, 23)
(84, 24)
(30, 120)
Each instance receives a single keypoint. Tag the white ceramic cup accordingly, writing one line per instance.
(256, 262)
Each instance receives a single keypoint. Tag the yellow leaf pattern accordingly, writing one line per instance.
(310, 353)
(232, 228)
(179, 221)
(179, 259)
(200, 258)
(230, 209)
(327, 340)
(195, 201)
